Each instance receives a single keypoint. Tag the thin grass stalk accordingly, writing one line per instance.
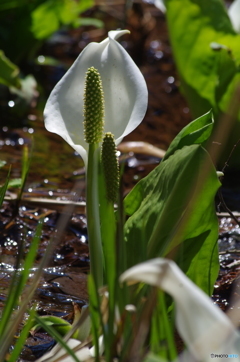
(61, 226)
(18, 283)
(96, 316)
(166, 325)
(22, 337)
(26, 160)
(3, 189)
(138, 345)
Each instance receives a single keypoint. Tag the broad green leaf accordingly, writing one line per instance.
(9, 72)
(85, 5)
(45, 20)
(50, 15)
(207, 54)
(158, 204)
(196, 132)
(68, 12)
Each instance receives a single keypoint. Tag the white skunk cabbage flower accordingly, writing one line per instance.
(204, 328)
(124, 88)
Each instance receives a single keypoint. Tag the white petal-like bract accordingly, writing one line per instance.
(202, 325)
(125, 94)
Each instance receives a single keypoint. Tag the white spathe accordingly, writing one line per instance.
(202, 325)
(125, 94)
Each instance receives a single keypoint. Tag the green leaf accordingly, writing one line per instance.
(207, 54)
(9, 72)
(16, 182)
(60, 325)
(196, 132)
(85, 5)
(50, 15)
(68, 12)
(88, 22)
(45, 20)
(158, 206)
(56, 335)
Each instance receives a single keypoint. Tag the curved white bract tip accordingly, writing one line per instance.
(124, 88)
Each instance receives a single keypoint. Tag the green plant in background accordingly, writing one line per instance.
(24, 25)
(3, 188)
(35, 21)
(18, 182)
(9, 72)
(49, 16)
(207, 54)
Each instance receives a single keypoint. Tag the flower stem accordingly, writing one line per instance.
(93, 218)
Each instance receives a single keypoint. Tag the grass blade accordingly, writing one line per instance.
(22, 337)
